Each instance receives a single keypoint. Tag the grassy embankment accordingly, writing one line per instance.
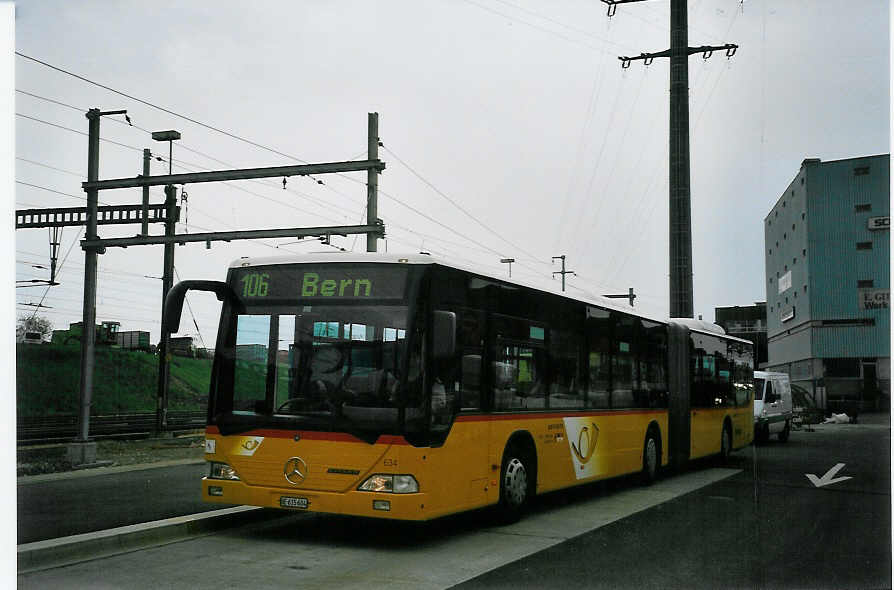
(124, 381)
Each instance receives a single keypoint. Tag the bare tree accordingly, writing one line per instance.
(38, 324)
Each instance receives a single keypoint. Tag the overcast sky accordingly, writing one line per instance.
(517, 111)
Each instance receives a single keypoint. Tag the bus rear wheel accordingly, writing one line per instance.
(726, 444)
(514, 486)
(651, 457)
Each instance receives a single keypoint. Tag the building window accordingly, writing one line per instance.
(803, 215)
(784, 236)
(770, 252)
(861, 171)
(786, 267)
(865, 284)
(804, 252)
(805, 288)
(863, 207)
(864, 245)
(802, 180)
(794, 261)
(793, 227)
(793, 194)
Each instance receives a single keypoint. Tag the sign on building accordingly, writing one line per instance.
(785, 282)
(879, 223)
(874, 298)
(787, 314)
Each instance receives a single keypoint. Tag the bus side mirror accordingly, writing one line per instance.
(443, 334)
(174, 300)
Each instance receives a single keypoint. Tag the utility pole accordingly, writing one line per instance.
(508, 261)
(680, 218)
(562, 272)
(164, 342)
(81, 451)
(167, 281)
(147, 158)
(372, 179)
(629, 296)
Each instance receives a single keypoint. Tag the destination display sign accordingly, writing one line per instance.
(319, 282)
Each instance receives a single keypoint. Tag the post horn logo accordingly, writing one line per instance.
(250, 445)
(586, 443)
(295, 470)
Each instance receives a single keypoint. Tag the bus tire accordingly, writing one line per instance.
(651, 458)
(783, 436)
(726, 443)
(515, 485)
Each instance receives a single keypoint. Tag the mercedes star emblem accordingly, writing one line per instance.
(295, 470)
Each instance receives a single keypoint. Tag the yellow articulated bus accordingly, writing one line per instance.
(408, 387)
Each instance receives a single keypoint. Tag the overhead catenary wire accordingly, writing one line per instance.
(225, 133)
(457, 205)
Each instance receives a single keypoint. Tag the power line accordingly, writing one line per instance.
(51, 190)
(160, 108)
(59, 268)
(124, 145)
(189, 307)
(71, 172)
(457, 205)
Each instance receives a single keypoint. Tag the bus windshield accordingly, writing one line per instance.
(337, 367)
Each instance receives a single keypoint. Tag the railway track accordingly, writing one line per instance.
(54, 429)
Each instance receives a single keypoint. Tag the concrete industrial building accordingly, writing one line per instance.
(827, 252)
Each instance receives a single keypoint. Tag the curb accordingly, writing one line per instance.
(93, 472)
(52, 553)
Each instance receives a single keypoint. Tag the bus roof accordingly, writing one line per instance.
(547, 286)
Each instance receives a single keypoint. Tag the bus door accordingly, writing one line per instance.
(459, 382)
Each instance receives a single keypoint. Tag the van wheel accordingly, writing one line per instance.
(514, 486)
(726, 444)
(651, 458)
(783, 436)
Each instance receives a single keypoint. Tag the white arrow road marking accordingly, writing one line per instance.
(828, 478)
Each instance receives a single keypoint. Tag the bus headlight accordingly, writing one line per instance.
(394, 484)
(222, 471)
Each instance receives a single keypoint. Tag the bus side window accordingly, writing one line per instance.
(565, 389)
(599, 336)
(470, 340)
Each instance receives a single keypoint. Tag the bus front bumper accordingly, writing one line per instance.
(352, 502)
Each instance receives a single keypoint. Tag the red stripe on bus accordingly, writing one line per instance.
(552, 416)
(384, 439)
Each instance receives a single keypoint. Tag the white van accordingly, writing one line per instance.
(772, 406)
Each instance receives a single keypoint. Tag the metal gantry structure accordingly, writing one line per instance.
(94, 215)
(680, 215)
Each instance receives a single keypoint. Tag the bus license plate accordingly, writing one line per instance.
(292, 502)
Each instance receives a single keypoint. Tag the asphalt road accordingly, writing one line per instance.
(767, 527)
(762, 525)
(62, 507)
